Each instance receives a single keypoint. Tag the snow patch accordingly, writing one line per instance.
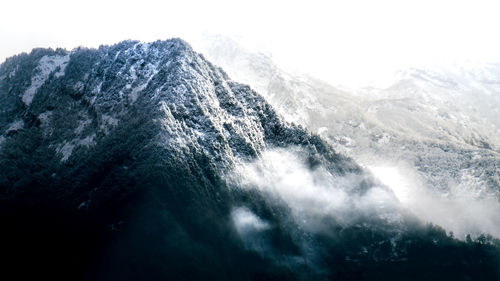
(82, 205)
(67, 147)
(46, 66)
(82, 125)
(108, 122)
(66, 151)
(97, 89)
(87, 141)
(13, 72)
(45, 117)
(19, 124)
(149, 71)
(79, 86)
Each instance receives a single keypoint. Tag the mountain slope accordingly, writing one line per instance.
(123, 163)
(433, 131)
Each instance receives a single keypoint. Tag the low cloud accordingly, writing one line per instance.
(247, 222)
(462, 209)
(316, 194)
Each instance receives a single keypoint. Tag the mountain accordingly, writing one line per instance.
(145, 161)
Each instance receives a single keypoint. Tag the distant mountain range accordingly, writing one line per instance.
(438, 126)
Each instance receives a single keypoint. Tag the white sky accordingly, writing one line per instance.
(326, 38)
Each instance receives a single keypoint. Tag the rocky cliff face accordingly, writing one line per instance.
(118, 163)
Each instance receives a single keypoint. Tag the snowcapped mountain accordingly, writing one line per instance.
(165, 90)
(146, 161)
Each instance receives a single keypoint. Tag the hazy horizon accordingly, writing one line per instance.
(356, 42)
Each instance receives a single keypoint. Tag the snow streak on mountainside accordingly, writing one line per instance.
(433, 136)
(144, 161)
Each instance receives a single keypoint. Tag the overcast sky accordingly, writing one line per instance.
(326, 38)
